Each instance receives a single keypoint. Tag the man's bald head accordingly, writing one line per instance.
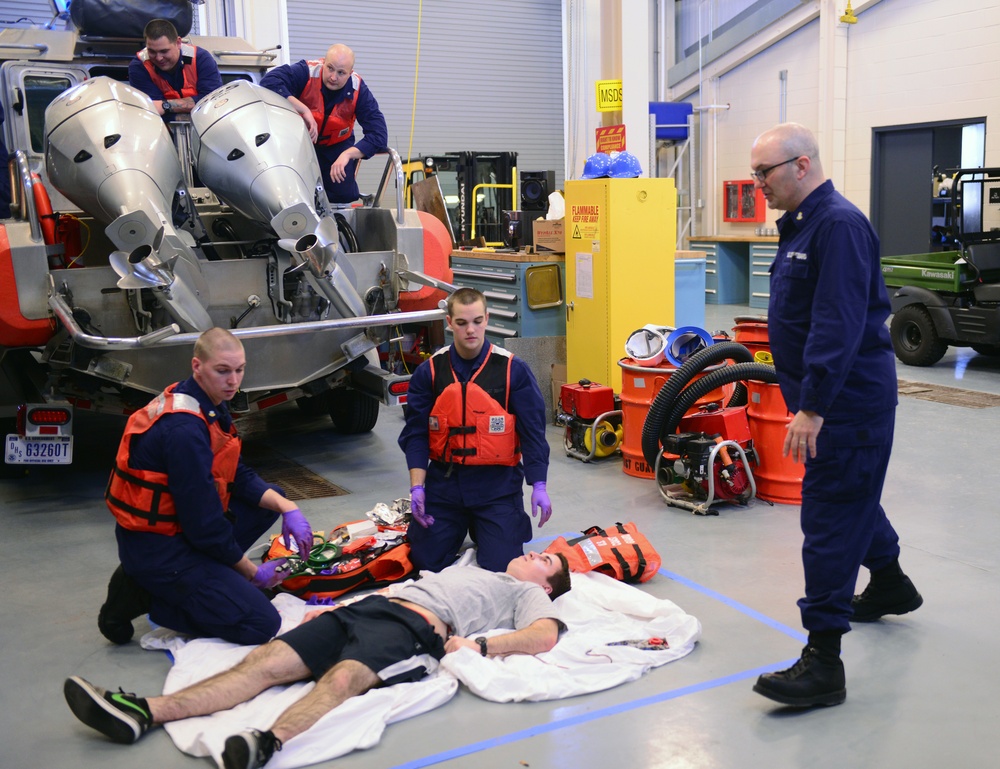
(337, 66)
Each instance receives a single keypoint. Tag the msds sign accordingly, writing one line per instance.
(609, 95)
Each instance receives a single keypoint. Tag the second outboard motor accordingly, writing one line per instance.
(252, 149)
(109, 152)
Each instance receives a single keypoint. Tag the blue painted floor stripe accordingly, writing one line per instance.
(798, 635)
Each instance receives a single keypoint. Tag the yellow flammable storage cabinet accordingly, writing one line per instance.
(620, 236)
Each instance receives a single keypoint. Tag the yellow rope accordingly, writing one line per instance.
(416, 75)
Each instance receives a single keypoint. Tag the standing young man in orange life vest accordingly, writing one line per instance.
(330, 96)
(171, 73)
(188, 509)
(474, 433)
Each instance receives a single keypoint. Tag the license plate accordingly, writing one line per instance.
(57, 450)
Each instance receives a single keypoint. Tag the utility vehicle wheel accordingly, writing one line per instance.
(914, 337)
(353, 412)
(987, 349)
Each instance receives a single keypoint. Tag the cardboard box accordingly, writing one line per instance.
(548, 236)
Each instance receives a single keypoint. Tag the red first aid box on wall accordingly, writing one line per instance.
(587, 401)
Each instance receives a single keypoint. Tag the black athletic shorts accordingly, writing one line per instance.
(394, 642)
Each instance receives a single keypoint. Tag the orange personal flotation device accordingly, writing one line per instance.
(619, 551)
(140, 500)
(470, 423)
(189, 88)
(338, 126)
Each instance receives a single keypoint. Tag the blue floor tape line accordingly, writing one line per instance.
(584, 718)
(798, 635)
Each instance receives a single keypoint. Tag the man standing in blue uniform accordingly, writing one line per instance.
(474, 432)
(837, 373)
(330, 96)
(171, 73)
(188, 509)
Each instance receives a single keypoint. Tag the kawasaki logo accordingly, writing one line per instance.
(933, 274)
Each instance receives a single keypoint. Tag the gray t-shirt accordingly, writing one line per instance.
(472, 601)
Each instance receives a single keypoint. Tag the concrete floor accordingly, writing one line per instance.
(920, 687)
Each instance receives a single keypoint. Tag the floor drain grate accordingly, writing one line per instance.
(297, 481)
(953, 396)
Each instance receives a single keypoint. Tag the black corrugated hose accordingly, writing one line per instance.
(761, 372)
(663, 403)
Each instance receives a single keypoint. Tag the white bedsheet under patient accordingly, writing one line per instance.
(598, 611)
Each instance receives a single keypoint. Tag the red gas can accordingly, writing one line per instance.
(586, 400)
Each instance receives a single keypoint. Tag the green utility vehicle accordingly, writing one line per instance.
(951, 297)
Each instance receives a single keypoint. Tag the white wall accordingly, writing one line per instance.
(908, 61)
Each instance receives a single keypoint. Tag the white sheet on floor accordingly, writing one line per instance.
(598, 610)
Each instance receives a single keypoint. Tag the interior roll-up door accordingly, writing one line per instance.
(489, 79)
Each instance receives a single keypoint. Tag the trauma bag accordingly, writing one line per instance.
(619, 551)
(367, 562)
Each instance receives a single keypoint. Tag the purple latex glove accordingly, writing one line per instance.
(295, 526)
(270, 573)
(321, 600)
(540, 501)
(418, 499)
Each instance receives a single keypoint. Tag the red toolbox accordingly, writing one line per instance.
(586, 400)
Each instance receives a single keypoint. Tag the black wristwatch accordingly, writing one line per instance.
(482, 644)
(167, 106)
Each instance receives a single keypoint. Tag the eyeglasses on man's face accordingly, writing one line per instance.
(761, 175)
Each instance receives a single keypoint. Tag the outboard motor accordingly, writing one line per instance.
(252, 149)
(109, 152)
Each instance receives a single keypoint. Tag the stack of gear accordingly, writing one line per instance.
(361, 554)
(705, 458)
(591, 414)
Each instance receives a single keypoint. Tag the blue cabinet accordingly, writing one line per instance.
(516, 311)
(727, 271)
(761, 257)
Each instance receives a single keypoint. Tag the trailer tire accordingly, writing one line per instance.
(914, 337)
(314, 405)
(352, 411)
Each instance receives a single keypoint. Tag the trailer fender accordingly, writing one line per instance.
(936, 305)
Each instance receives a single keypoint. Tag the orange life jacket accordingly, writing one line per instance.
(470, 423)
(190, 71)
(338, 126)
(140, 499)
(620, 552)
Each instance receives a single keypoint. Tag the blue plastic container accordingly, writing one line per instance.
(671, 119)
(689, 292)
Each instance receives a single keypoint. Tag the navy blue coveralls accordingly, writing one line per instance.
(194, 588)
(486, 501)
(291, 79)
(833, 356)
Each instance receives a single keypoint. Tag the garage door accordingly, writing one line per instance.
(489, 76)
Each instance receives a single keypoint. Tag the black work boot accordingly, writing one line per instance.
(126, 600)
(889, 592)
(816, 679)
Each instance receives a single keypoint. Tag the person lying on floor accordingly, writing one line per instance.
(347, 650)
